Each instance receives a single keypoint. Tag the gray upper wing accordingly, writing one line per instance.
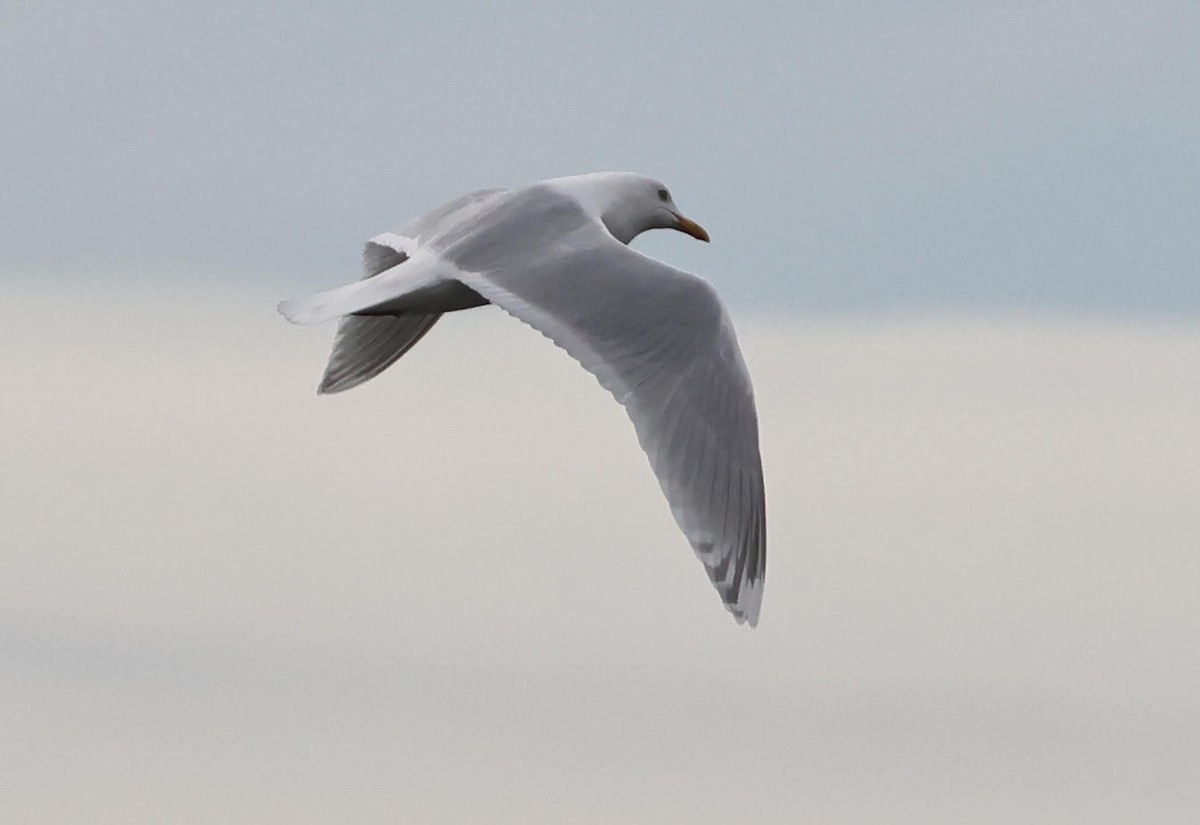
(661, 342)
(453, 214)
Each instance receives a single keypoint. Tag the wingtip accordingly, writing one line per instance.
(742, 617)
(747, 603)
(331, 385)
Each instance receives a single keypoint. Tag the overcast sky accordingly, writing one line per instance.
(455, 594)
(867, 156)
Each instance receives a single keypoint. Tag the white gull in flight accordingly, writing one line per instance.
(555, 255)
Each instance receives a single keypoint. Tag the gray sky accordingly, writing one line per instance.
(455, 594)
(1027, 156)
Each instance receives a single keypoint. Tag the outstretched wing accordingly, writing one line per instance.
(661, 342)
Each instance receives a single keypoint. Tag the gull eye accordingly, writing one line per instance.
(664, 195)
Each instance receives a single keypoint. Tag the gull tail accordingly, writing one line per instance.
(383, 280)
(334, 303)
(366, 345)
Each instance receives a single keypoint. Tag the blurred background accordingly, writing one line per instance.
(959, 242)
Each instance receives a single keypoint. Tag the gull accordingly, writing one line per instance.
(555, 255)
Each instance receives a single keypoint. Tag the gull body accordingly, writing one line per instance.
(554, 255)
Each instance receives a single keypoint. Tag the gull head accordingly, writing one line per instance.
(629, 204)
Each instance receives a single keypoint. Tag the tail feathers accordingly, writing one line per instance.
(383, 280)
(366, 345)
(325, 306)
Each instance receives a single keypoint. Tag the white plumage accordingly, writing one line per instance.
(555, 256)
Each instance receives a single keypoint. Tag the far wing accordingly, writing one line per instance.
(661, 342)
